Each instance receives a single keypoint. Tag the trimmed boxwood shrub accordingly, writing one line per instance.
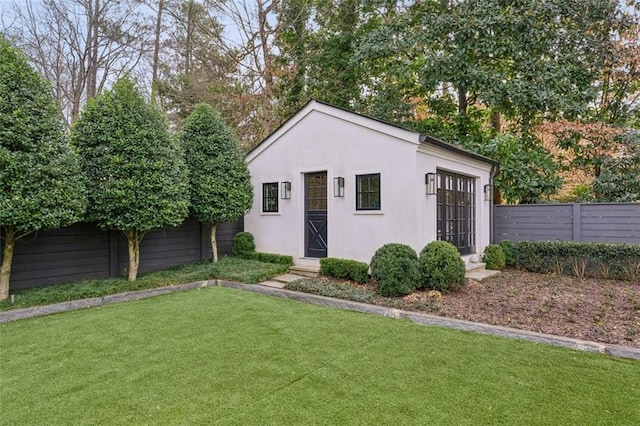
(441, 267)
(509, 248)
(494, 257)
(279, 259)
(345, 269)
(395, 266)
(242, 243)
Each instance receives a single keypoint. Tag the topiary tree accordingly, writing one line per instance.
(40, 181)
(221, 189)
(494, 257)
(136, 175)
(441, 267)
(395, 266)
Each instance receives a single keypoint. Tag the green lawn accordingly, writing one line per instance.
(222, 356)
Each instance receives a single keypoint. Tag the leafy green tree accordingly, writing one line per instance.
(524, 60)
(221, 189)
(40, 182)
(528, 173)
(619, 180)
(136, 175)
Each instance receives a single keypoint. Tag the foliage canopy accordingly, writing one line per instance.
(40, 181)
(136, 175)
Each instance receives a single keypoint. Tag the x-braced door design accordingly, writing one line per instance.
(315, 221)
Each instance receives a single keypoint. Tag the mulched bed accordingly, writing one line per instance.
(606, 311)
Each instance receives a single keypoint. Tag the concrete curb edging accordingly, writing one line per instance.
(428, 319)
(37, 311)
(313, 299)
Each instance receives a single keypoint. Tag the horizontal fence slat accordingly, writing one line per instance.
(610, 222)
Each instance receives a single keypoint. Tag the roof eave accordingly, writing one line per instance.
(453, 148)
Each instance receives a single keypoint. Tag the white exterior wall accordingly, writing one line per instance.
(344, 144)
(432, 158)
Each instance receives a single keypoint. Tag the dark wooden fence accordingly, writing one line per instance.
(610, 223)
(83, 251)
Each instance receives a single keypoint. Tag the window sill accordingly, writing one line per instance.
(369, 212)
(270, 214)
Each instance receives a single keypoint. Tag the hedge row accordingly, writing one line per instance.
(581, 259)
(279, 259)
(344, 269)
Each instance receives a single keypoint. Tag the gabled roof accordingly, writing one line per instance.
(382, 126)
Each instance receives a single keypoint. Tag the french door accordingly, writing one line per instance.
(456, 216)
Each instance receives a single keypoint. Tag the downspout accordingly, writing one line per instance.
(492, 175)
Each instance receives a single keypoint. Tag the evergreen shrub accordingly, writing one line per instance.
(345, 269)
(243, 243)
(395, 266)
(509, 248)
(494, 257)
(279, 259)
(441, 267)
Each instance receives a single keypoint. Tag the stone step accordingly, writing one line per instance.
(273, 283)
(287, 278)
(479, 274)
(306, 271)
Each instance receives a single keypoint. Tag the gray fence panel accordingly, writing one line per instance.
(611, 222)
(82, 251)
(535, 222)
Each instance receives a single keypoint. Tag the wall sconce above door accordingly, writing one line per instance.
(431, 181)
(488, 192)
(285, 190)
(338, 187)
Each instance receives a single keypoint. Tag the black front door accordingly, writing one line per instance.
(457, 211)
(315, 217)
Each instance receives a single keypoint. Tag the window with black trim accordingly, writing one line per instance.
(270, 197)
(368, 192)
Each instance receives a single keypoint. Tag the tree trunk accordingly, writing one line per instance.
(214, 243)
(134, 237)
(188, 48)
(496, 123)
(267, 75)
(7, 258)
(92, 69)
(156, 52)
(463, 103)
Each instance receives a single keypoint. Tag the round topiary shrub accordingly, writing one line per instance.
(509, 248)
(395, 266)
(494, 257)
(243, 243)
(441, 267)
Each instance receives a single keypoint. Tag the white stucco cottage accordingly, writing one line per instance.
(330, 182)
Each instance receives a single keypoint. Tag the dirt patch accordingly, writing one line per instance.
(599, 310)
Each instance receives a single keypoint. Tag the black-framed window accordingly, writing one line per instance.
(270, 197)
(368, 192)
